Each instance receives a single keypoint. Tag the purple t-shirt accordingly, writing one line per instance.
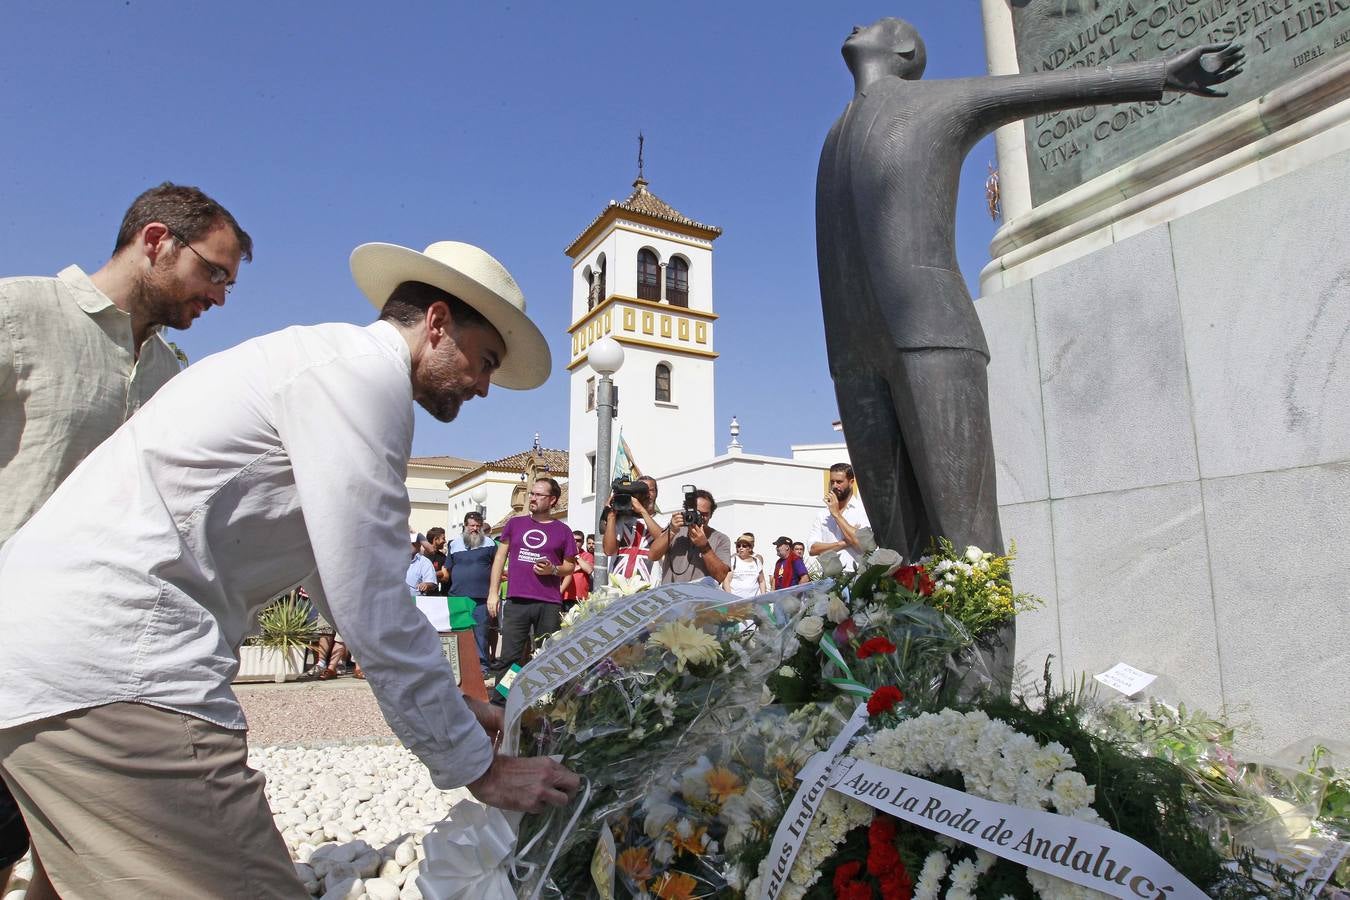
(528, 542)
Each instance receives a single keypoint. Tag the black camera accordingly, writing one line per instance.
(625, 490)
(691, 514)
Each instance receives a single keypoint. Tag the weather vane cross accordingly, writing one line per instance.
(641, 140)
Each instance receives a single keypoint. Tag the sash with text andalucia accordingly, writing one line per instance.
(567, 657)
(1090, 855)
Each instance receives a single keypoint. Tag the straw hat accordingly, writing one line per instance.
(473, 276)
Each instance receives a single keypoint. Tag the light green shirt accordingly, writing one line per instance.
(69, 378)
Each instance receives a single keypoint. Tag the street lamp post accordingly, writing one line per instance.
(605, 357)
(479, 495)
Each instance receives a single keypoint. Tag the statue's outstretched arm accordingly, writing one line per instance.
(998, 100)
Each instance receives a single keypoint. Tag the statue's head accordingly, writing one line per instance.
(891, 45)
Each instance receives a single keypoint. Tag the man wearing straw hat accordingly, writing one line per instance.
(132, 763)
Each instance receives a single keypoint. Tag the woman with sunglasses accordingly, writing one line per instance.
(746, 578)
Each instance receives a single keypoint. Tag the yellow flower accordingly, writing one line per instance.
(689, 644)
(723, 783)
(636, 863)
(675, 886)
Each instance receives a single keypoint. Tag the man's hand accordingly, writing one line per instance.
(424, 587)
(698, 536)
(641, 510)
(832, 503)
(529, 784)
(492, 604)
(545, 568)
(1196, 70)
(677, 521)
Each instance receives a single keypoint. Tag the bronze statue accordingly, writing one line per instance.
(906, 350)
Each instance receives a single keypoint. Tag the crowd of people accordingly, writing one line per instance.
(523, 583)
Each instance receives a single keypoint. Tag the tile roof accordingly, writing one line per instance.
(556, 460)
(445, 462)
(644, 203)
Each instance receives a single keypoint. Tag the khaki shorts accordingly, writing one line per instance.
(128, 800)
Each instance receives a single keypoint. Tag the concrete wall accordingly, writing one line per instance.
(1172, 423)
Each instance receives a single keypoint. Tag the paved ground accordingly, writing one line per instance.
(312, 712)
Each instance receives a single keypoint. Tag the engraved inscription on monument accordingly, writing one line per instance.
(1283, 39)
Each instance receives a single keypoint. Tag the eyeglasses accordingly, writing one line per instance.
(215, 274)
(746, 546)
(545, 494)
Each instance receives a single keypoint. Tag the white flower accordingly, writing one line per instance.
(637, 733)
(867, 542)
(884, 556)
(790, 604)
(787, 672)
(830, 564)
(665, 852)
(837, 610)
(820, 604)
(974, 554)
(658, 817)
(811, 628)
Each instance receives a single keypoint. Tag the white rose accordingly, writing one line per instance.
(974, 554)
(838, 610)
(790, 604)
(657, 819)
(830, 564)
(866, 542)
(811, 628)
(884, 556)
(787, 672)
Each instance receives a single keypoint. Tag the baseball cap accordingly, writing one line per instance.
(783, 539)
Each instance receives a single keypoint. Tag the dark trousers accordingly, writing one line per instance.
(522, 622)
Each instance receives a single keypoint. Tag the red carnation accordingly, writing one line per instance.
(846, 873)
(915, 578)
(873, 646)
(883, 699)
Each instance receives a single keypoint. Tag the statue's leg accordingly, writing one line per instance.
(942, 399)
(942, 403)
(877, 453)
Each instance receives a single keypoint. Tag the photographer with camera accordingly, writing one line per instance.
(630, 529)
(691, 547)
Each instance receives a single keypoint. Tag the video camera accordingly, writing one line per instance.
(625, 490)
(692, 516)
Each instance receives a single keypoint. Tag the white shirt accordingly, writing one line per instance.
(827, 531)
(69, 376)
(420, 571)
(279, 461)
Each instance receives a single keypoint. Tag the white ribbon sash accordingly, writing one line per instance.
(1084, 853)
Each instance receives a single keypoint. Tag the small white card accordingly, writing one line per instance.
(1126, 679)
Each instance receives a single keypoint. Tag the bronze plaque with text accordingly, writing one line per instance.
(1283, 40)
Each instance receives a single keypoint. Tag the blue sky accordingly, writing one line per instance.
(326, 125)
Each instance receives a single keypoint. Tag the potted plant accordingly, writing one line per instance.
(286, 630)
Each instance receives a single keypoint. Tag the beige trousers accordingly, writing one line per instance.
(132, 801)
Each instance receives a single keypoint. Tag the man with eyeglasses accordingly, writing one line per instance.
(80, 353)
(537, 552)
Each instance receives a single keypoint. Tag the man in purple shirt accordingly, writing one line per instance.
(537, 552)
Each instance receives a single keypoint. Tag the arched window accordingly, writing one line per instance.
(677, 282)
(649, 276)
(662, 383)
(590, 288)
(600, 294)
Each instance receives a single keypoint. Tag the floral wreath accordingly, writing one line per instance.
(996, 762)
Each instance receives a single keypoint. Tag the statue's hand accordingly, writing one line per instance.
(1197, 70)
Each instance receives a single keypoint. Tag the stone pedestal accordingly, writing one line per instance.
(1171, 418)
